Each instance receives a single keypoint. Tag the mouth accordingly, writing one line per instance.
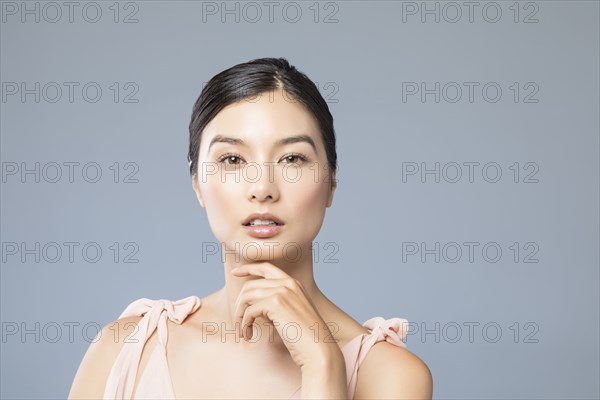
(262, 220)
(263, 231)
(262, 224)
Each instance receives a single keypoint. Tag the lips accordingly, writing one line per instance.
(262, 216)
(263, 231)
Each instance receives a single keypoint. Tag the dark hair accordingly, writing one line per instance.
(253, 78)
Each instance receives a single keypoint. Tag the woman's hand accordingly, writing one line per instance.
(282, 299)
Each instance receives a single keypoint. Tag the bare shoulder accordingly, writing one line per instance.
(390, 371)
(92, 374)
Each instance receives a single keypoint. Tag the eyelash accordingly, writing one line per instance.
(302, 157)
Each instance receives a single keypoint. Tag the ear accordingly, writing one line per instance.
(196, 188)
(333, 182)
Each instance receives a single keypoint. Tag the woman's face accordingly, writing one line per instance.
(255, 173)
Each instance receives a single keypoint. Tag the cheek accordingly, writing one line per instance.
(306, 197)
(220, 200)
(307, 200)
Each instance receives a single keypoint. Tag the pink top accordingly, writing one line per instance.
(155, 382)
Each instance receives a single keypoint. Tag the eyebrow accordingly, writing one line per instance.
(281, 142)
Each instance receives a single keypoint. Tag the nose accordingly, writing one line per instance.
(263, 185)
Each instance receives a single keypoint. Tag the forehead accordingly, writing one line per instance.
(263, 119)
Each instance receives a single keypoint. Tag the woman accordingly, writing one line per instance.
(263, 163)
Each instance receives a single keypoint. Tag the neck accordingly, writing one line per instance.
(269, 338)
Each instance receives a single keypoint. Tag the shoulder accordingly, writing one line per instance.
(390, 371)
(94, 369)
(96, 365)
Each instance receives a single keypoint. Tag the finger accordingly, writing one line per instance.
(246, 299)
(269, 272)
(250, 286)
(264, 269)
(250, 299)
(254, 291)
(260, 309)
(250, 315)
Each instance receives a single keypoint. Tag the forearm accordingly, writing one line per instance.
(325, 378)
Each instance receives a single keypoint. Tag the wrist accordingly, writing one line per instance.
(325, 378)
(329, 359)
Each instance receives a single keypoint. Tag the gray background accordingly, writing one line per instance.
(547, 311)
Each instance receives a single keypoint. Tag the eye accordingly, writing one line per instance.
(294, 158)
(229, 157)
(297, 156)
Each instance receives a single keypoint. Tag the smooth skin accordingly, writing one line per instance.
(238, 334)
